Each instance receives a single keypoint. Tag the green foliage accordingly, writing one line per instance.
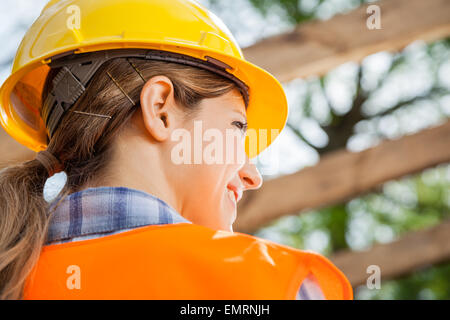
(413, 203)
(431, 283)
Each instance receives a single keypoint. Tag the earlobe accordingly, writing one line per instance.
(156, 99)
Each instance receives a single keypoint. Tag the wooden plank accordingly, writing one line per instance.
(315, 48)
(412, 252)
(11, 151)
(343, 175)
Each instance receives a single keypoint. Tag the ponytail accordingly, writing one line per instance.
(23, 224)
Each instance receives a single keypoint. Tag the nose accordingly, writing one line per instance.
(250, 176)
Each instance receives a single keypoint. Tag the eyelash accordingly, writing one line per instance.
(240, 125)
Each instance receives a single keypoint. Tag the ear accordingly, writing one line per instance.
(158, 107)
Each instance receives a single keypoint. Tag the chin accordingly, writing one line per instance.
(224, 227)
(226, 223)
(227, 227)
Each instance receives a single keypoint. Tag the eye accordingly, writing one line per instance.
(242, 126)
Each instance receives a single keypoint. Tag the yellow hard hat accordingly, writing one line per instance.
(183, 27)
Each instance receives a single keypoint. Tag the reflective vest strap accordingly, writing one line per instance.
(332, 281)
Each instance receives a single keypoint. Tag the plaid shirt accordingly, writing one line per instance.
(97, 212)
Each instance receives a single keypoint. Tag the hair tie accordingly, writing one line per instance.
(49, 161)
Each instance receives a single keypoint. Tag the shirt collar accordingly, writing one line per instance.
(107, 209)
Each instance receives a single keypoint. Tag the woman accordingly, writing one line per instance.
(116, 94)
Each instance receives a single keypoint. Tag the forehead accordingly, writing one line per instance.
(232, 101)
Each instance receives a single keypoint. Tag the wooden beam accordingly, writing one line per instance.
(413, 251)
(316, 47)
(11, 151)
(343, 175)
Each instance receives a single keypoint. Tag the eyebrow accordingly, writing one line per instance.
(240, 112)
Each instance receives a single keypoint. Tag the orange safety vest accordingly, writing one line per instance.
(180, 261)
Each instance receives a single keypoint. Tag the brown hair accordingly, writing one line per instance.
(83, 145)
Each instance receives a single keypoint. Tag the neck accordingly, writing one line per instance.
(139, 165)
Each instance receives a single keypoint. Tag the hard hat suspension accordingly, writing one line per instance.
(78, 69)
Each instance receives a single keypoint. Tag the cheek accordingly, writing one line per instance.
(217, 177)
(207, 202)
(206, 180)
(208, 184)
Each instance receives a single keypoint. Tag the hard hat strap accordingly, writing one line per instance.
(78, 69)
